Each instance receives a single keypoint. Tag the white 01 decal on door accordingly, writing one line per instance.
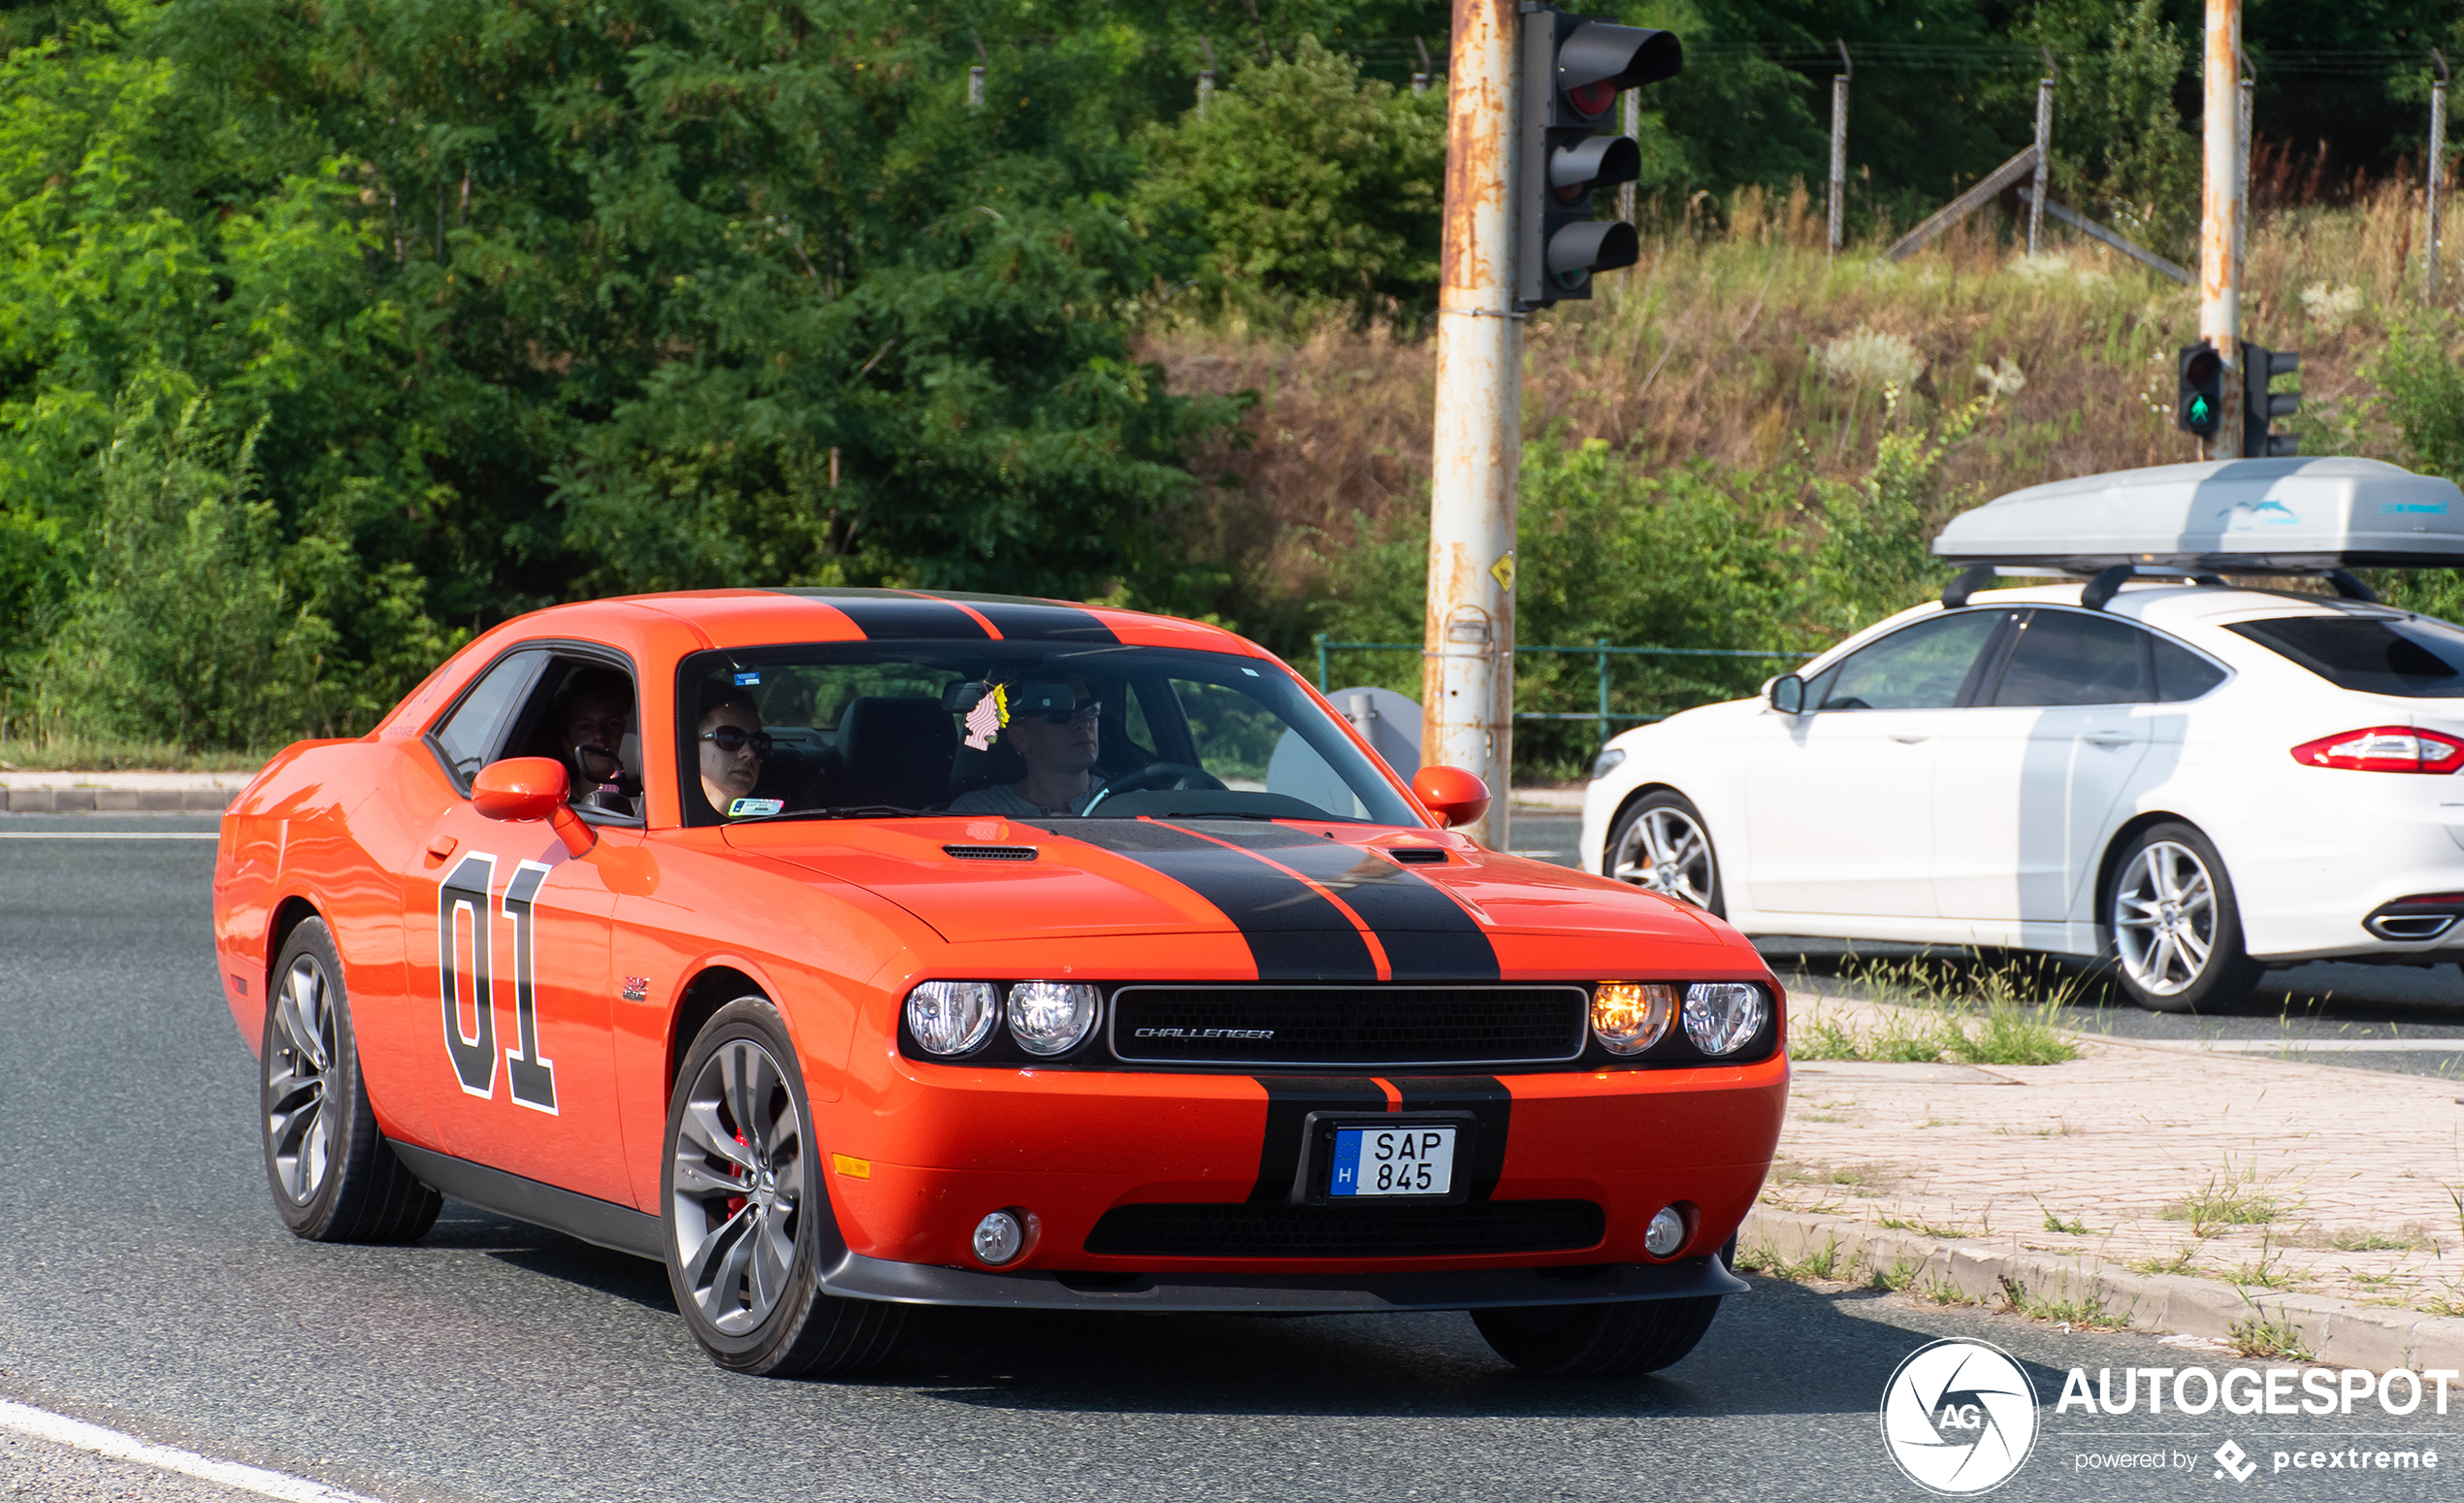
(531, 1079)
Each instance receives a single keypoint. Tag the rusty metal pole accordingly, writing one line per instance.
(1467, 647)
(2219, 210)
(1839, 147)
(1631, 119)
(2248, 85)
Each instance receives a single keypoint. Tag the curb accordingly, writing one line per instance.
(2336, 1332)
(117, 801)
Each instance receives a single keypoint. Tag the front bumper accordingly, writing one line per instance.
(935, 1148)
(856, 1277)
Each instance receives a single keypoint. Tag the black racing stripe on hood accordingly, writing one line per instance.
(1289, 1099)
(1018, 622)
(1427, 935)
(1492, 1109)
(1293, 933)
(887, 616)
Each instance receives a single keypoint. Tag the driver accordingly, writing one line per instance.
(731, 745)
(1059, 750)
(593, 716)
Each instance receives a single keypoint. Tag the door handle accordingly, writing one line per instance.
(2110, 738)
(1910, 740)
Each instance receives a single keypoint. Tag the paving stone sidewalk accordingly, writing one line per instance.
(2138, 1160)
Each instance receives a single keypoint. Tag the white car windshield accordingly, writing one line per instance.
(1021, 730)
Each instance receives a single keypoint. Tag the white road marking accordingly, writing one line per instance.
(44, 1424)
(109, 834)
(2332, 1045)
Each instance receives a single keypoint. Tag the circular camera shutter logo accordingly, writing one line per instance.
(1959, 1416)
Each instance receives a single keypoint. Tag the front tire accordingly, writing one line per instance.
(1597, 1341)
(745, 1214)
(334, 1179)
(1660, 845)
(2177, 930)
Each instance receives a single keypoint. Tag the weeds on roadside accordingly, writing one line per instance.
(2266, 1273)
(1942, 1292)
(2260, 1336)
(1901, 1273)
(1823, 1262)
(2074, 1227)
(2088, 1312)
(2184, 1262)
(1943, 1232)
(2229, 1200)
(1965, 1015)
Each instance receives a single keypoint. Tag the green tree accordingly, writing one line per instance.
(1302, 186)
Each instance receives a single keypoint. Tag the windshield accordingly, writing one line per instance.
(2414, 659)
(1024, 731)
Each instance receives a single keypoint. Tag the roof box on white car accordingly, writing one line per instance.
(2276, 516)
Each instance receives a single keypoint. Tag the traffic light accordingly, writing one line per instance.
(2199, 406)
(2258, 368)
(1573, 68)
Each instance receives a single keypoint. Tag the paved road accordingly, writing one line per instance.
(146, 1284)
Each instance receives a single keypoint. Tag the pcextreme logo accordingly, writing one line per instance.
(1959, 1416)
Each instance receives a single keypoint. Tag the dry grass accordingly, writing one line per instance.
(1735, 345)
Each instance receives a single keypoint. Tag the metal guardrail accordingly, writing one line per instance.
(1601, 651)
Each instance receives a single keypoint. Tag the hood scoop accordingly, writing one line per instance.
(990, 852)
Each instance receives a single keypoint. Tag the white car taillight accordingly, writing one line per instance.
(2384, 749)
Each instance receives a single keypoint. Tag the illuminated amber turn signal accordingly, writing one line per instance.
(1629, 1017)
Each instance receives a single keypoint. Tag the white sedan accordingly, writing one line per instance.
(2197, 780)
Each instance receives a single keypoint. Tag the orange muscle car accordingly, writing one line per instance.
(851, 950)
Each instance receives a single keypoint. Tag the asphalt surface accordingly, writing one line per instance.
(146, 1284)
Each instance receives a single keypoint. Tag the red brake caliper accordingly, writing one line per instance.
(736, 1203)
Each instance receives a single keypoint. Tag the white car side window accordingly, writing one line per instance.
(1919, 666)
(2071, 657)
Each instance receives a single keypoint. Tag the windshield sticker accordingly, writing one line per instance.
(990, 713)
(747, 681)
(742, 808)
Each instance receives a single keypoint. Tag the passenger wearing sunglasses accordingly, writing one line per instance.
(732, 745)
(1058, 746)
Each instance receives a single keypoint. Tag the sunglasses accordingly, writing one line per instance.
(1087, 714)
(730, 740)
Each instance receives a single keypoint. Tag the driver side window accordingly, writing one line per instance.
(1923, 666)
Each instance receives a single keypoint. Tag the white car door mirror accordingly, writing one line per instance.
(1788, 694)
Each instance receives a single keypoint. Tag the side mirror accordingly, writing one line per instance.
(1787, 695)
(521, 789)
(1454, 796)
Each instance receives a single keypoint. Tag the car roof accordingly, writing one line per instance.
(2165, 602)
(751, 617)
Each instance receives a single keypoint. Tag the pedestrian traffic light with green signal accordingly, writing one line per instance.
(2199, 408)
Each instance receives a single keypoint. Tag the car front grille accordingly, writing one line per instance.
(1243, 1230)
(1350, 1027)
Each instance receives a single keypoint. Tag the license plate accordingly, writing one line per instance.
(1391, 1162)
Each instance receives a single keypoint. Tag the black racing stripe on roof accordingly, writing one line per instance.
(893, 615)
(1289, 1099)
(1293, 932)
(1427, 935)
(1033, 622)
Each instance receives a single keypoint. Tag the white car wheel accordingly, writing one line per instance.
(1660, 845)
(2177, 936)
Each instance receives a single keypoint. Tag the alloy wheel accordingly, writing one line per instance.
(738, 1187)
(1665, 851)
(298, 1080)
(2164, 918)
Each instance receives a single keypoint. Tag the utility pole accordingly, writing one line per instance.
(2220, 210)
(1840, 145)
(2044, 155)
(1468, 645)
(1206, 76)
(2438, 178)
(2242, 169)
(1631, 122)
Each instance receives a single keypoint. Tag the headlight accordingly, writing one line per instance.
(1607, 761)
(1721, 1016)
(952, 1017)
(1629, 1017)
(1051, 1017)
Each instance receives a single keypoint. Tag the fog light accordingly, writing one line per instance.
(1051, 1017)
(952, 1017)
(1665, 1234)
(1629, 1017)
(1722, 1016)
(1000, 1237)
